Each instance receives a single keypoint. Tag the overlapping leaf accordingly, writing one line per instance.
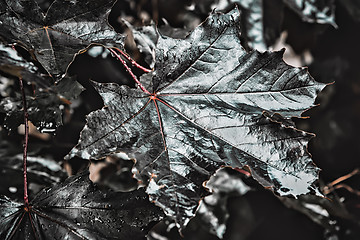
(206, 111)
(262, 20)
(44, 108)
(13, 64)
(213, 209)
(64, 30)
(75, 209)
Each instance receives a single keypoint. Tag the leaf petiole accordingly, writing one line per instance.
(134, 63)
(129, 71)
(26, 141)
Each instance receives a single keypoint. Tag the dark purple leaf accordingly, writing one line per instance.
(54, 37)
(76, 209)
(207, 112)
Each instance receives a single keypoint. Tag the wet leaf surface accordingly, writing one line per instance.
(206, 112)
(54, 37)
(76, 209)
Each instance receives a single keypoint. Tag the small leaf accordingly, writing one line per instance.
(75, 209)
(206, 111)
(66, 29)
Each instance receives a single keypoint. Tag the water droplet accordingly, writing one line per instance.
(12, 189)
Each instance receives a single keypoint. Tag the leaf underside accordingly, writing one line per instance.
(206, 111)
(75, 209)
(67, 28)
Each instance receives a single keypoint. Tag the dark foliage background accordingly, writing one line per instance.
(258, 214)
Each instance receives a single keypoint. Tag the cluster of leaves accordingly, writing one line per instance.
(215, 97)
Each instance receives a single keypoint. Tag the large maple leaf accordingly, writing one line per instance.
(67, 28)
(76, 209)
(206, 111)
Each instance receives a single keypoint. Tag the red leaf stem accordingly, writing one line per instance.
(134, 63)
(26, 141)
(129, 71)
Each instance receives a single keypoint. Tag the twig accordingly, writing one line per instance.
(133, 62)
(335, 184)
(129, 71)
(26, 141)
(343, 178)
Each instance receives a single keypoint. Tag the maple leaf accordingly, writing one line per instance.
(206, 111)
(75, 209)
(54, 37)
